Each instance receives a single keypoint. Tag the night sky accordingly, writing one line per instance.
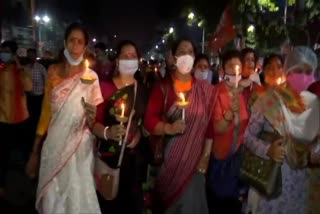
(141, 21)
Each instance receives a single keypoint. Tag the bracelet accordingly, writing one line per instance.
(105, 132)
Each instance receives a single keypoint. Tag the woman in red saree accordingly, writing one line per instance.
(179, 184)
(66, 181)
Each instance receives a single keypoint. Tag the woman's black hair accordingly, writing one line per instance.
(77, 26)
(201, 57)
(267, 60)
(12, 45)
(177, 43)
(126, 43)
(228, 55)
(246, 51)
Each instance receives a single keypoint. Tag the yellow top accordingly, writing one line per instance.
(53, 80)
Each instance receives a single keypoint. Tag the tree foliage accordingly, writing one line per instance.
(271, 28)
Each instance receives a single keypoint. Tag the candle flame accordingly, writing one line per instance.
(122, 109)
(183, 99)
(87, 63)
(237, 69)
(279, 81)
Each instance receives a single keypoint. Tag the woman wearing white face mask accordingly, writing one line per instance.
(124, 91)
(202, 70)
(180, 184)
(66, 182)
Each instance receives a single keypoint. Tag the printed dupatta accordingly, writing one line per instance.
(271, 106)
(109, 150)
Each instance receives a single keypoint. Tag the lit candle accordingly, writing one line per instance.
(122, 109)
(183, 99)
(87, 64)
(279, 81)
(237, 75)
(183, 103)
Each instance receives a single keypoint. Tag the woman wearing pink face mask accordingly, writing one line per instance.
(300, 65)
(302, 78)
(290, 120)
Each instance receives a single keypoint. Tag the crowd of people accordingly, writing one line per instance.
(98, 136)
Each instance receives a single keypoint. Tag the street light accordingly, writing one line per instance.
(46, 19)
(191, 16)
(37, 18)
(94, 40)
(251, 29)
(171, 30)
(157, 46)
(163, 41)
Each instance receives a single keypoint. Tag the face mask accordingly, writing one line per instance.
(5, 57)
(232, 79)
(185, 64)
(300, 81)
(201, 75)
(72, 61)
(128, 67)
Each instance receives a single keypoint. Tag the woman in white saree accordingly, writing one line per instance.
(66, 182)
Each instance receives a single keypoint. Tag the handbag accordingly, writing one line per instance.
(262, 174)
(107, 177)
(158, 142)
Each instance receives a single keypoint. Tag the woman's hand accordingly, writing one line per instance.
(116, 132)
(277, 151)
(235, 103)
(33, 165)
(178, 127)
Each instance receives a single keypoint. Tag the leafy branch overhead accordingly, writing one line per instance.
(276, 20)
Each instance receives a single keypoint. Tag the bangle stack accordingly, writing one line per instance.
(105, 132)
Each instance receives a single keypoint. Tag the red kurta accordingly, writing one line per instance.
(223, 141)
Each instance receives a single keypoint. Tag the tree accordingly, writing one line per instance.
(278, 20)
